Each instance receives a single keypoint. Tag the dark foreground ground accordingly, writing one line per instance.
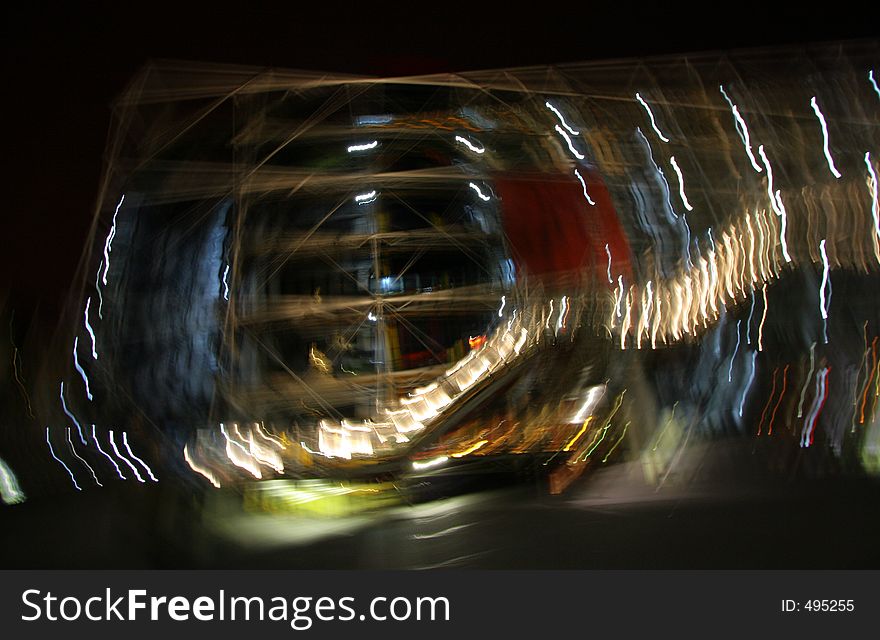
(609, 520)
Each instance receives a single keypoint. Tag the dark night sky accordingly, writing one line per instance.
(65, 63)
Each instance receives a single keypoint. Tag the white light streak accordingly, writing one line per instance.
(427, 464)
(109, 241)
(200, 470)
(470, 145)
(608, 251)
(363, 147)
(89, 329)
(748, 384)
(225, 283)
(875, 207)
(124, 459)
(106, 455)
(131, 453)
(81, 459)
(483, 197)
(561, 119)
(10, 492)
(651, 116)
(823, 304)
(828, 157)
(577, 154)
(763, 317)
(80, 369)
(365, 198)
(503, 302)
(733, 357)
(681, 193)
(742, 129)
(873, 82)
(776, 203)
(52, 451)
(70, 415)
(584, 185)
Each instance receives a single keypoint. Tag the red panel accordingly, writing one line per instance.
(555, 233)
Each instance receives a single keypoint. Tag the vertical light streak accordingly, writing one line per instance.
(577, 154)
(503, 302)
(66, 468)
(778, 402)
(681, 193)
(751, 378)
(619, 294)
(131, 453)
(225, 283)
(563, 312)
(807, 434)
(651, 116)
(775, 202)
(608, 252)
(875, 206)
(873, 82)
(106, 455)
(561, 119)
(98, 288)
(807, 380)
(108, 243)
(584, 185)
(823, 304)
(733, 357)
(81, 459)
(742, 129)
(89, 329)
(825, 148)
(124, 459)
(763, 317)
(82, 373)
(70, 415)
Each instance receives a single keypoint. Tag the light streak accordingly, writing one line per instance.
(106, 455)
(571, 442)
(365, 198)
(70, 415)
(124, 459)
(503, 302)
(681, 193)
(225, 283)
(823, 308)
(586, 195)
(608, 251)
(108, 243)
(98, 288)
(244, 459)
(763, 317)
(81, 459)
(66, 468)
(807, 434)
(807, 380)
(363, 147)
(561, 119)
(89, 329)
(769, 400)
(470, 449)
(563, 312)
(781, 395)
(80, 369)
(571, 148)
(620, 293)
(825, 148)
(476, 188)
(775, 202)
(733, 357)
(427, 464)
(470, 145)
(748, 384)
(10, 492)
(651, 116)
(873, 82)
(875, 206)
(619, 440)
(200, 470)
(742, 129)
(131, 453)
